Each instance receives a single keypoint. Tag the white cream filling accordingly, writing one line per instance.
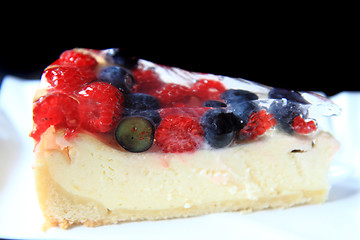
(266, 167)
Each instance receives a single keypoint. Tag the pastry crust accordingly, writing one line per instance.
(275, 171)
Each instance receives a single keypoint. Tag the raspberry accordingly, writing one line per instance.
(77, 58)
(145, 76)
(100, 106)
(146, 80)
(67, 79)
(70, 132)
(179, 133)
(54, 109)
(259, 123)
(300, 126)
(208, 89)
(171, 93)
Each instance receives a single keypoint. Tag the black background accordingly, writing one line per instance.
(301, 53)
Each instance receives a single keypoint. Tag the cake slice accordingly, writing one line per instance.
(123, 139)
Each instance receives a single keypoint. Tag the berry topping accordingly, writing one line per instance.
(135, 134)
(179, 133)
(67, 79)
(219, 127)
(258, 124)
(236, 96)
(171, 93)
(100, 106)
(302, 127)
(78, 59)
(54, 109)
(208, 89)
(121, 57)
(141, 101)
(290, 95)
(118, 77)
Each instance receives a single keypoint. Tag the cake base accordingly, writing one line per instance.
(84, 181)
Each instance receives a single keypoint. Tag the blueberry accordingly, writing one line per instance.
(241, 103)
(290, 105)
(135, 134)
(121, 57)
(236, 96)
(219, 127)
(118, 77)
(143, 105)
(290, 95)
(141, 101)
(285, 111)
(152, 115)
(214, 104)
(243, 110)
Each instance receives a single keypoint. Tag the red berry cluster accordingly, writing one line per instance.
(74, 100)
(208, 89)
(77, 59)
(176, 95)
(179, 133)
(100, 106)
(67, 79)
(171, 93)
(259, 123)
(146, 80)
(300, 126)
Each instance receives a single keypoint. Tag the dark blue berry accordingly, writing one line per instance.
(243, 111)
(219, 127)
(118, 77)
(151, 115)
(285, 111)
(141, 101)
(135, 134)
(142, 105)
(290, 95)
(121, 57)
(236, 96)
(214, 104)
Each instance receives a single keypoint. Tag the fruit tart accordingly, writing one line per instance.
(119, 138)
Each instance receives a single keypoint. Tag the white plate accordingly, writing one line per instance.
(20, 217)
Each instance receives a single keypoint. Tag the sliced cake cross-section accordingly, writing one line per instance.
(123, 139)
